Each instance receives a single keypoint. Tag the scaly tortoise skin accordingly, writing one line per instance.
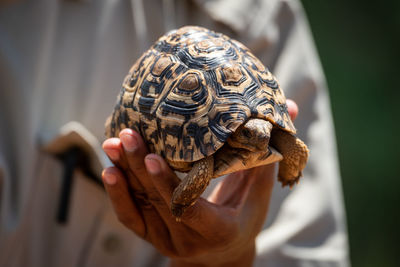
(202, 100)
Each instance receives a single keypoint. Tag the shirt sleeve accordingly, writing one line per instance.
(305, 225)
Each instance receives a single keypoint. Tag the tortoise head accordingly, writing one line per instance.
(253, 135)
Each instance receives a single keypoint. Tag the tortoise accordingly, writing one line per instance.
(207, 105)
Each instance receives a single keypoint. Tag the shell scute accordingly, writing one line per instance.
(191, 90)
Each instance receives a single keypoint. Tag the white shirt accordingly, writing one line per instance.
(64, 61)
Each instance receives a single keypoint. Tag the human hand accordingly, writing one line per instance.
(216, 231)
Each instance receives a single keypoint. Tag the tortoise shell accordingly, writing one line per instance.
(191, 90)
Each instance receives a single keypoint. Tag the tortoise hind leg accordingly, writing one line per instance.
(295, 154)
(192, 186)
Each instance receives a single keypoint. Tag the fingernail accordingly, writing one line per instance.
(152, 165)
(112, 154)
(109, 178)
(129, 142)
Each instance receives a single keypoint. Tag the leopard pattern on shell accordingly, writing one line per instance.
(191, 90)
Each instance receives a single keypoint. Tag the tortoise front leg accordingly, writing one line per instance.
(295, 154)
(192, 186)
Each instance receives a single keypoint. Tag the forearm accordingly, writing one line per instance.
(243, 256)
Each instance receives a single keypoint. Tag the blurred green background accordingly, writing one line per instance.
(359, 46)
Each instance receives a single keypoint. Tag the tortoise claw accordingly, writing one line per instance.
(290, 183)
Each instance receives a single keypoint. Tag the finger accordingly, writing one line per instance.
(156, 212)
(292, 108)
(164, 179)
(264, 177)
(113, 149)
(126, 154)
(135, 150)
(248, 192)
(232, 190)
(255, 207)
(123, 204)
(145, 222)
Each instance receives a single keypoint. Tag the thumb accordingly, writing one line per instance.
(256, 204)
(293, 109)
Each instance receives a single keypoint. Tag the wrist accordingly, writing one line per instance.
(241, 256)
